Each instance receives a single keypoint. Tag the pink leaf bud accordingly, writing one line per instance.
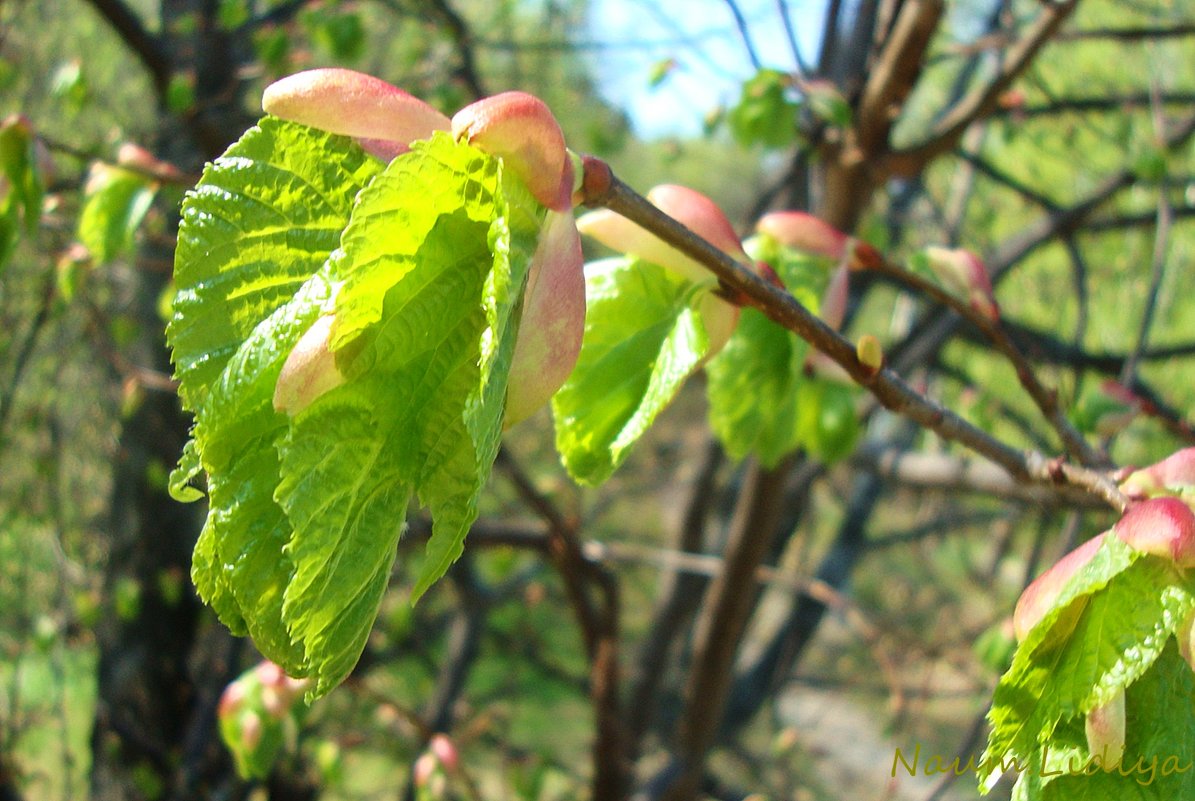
(701, 216)
(1105, 732)
(521, 130)
(553, 319)
(963, 274)
(836, 297)
(1039, 597)
(692, 209)
(269, 673)
(1174, 473)
(309, 371)
(802, 231)
(425, 767)
(354, 104)
(137, 157)
(1162, 527)
(445, 751)
(231, 699)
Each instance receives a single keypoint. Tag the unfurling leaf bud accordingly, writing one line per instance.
(250, 729)
(802, 231)
(309, 371)
(964, 275)
(553, 321)
(354, 104)
(1174, 474)
(1105, 732)
(870, 353)
(836, 297)
(521, 130)
(701, 216)
(690, 208)
(1162, 527)
(1039, 597)
(445, 751)
(1185, 637)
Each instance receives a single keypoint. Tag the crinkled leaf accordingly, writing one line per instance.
(643, 338)
(752, 389)
(237, 433)
(431, 271)
(1159, 741)
(761, 400)
(1109, 624)
(425, 284)
(264, 218)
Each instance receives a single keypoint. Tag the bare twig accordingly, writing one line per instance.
(740, 23)
(462, 40)
(1165, 220)
(983, 100)
(148, 47)
(1045, 399)
(719, 629)
(603, 189)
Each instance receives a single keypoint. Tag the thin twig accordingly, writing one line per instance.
(740, 23)
(1045, 399)
(602, 188)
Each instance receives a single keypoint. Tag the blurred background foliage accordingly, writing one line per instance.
(97, 614)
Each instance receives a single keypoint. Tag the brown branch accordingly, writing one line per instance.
(601, 188)
(944, 473)
(1131, 33)
(1116, 103)
(983, 100)
(148, 47)
(462, 40)
(1045, 399)
(599, 631)
(680, 595)
(936, 328)
(720, 628)
(895, 72)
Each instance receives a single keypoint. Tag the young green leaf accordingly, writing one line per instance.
(424, 290)
(1157, 759)
(431, 270)
(1109, 624)
(644, 336)
(116, 203)
(761, 399)
(263, 219)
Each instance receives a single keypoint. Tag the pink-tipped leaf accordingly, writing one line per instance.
(309, 371)
(803, 231)
(1105, 732)
(692, 209)
(353, 104)
(1039, 597)
(964, 274)
(1175, 473)
(553, 319)
(521, 130)
(1162, 527)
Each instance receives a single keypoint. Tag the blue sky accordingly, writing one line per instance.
(709, 70)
